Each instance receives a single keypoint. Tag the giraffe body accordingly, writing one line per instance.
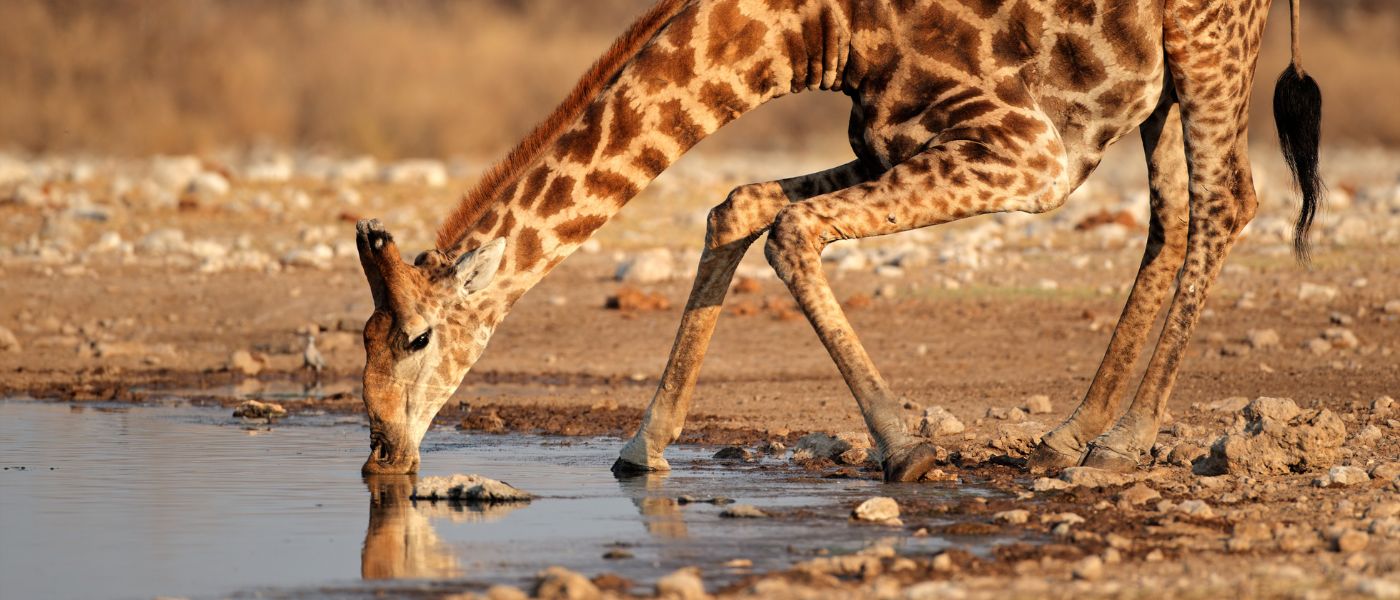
(960, 108)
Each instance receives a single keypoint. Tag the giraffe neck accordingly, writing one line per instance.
(677, 90)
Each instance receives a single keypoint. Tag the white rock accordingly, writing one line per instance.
(879, 509)
(682, 584)
(109, 241)
(1311, 292)
(427, 172)
(1196, 508)
(174, 173)
(1047, 484)
(822, 445)
(208, 184)
(852, 261)
(743, 511)
(937, 421)
(316, 257)
(652, 266)
(275, 168)
(1089, 569)
(1368, 435)
(891, 272)
(162, 241)
(1342, 476)
(1014, 517)
(1039, 404)
(207, 249)
(1262, 338)
(558, 583)
(467, 488)
(354, 170)
(1375, 587)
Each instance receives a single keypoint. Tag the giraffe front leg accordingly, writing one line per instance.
(1065, 445)
(948, 181)
(732, 227)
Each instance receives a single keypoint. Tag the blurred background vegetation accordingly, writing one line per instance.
(397, 78)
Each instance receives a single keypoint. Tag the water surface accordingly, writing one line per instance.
(137, 501)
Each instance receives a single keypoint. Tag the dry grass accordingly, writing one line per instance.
(426, 77)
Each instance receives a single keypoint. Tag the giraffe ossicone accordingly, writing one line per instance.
(959, 108)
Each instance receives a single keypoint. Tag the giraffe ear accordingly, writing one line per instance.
(475, 270)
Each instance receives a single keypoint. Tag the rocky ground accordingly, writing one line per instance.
(1275, 474)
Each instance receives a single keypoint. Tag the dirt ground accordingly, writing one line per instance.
(986, 316)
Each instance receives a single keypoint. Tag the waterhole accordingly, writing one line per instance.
(138, 501)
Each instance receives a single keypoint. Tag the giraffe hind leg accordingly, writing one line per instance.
(1212, 74)
(1166, 249)
(947, 181)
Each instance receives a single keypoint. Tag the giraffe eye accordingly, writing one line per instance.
(420, 342)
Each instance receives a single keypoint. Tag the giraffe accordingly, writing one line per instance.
(959, 108)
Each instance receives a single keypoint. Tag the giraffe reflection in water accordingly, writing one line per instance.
(401, 543)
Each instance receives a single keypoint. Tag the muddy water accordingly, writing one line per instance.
(138, 501)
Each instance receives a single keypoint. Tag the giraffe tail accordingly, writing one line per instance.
(1298, 118)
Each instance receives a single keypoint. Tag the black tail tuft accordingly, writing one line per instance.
(1298, 117)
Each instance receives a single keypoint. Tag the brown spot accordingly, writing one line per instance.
(1076, 11)
(658, 66)
(558, 197)
(676, 123)
(577, 229)
(1133, 46)
(1012, 91)
(901, 147)
(954, 41)
(626, 124)
(1019, 41)
(759, 78)
(507, 224)
(579, 144)
(971, 110)
(985, 8)
(918, 93)
(1022, 126)
(609, 185)
(1073, 64)
(733, 35)
(488, 220)
(722, 101)
(534, 184)
(795, 48)
(651, 161)
(528, 250)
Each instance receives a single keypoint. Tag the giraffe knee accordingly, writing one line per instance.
(790, 241)
(744, 214)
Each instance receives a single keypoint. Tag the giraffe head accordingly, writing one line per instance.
(427, 330)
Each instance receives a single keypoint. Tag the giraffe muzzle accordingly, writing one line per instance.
(389, 458)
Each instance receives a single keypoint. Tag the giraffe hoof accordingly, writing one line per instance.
(1046, 458)
(626, 468)
(1108, 459)
(911, 464)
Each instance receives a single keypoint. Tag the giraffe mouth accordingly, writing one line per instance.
(385, 457)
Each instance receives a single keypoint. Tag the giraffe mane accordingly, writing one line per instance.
(476, 202)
